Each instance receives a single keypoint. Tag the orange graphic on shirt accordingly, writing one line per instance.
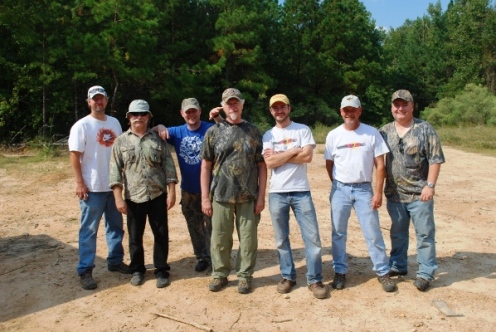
(106, 137)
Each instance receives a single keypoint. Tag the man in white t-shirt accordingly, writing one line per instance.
(90, 146)
(287, 149)
(352, 151)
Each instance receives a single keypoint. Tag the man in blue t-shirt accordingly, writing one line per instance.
(188, 140)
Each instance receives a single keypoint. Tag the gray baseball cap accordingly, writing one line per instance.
(189, 103)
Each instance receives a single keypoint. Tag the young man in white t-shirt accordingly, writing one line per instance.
(352, 151)
(287, 149)
(90, 146)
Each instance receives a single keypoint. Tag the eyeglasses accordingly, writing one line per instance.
(139, 113)
(401, 145)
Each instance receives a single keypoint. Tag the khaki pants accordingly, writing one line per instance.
(224, 216)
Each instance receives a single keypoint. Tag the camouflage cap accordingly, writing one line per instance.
(402, 94)
(231, 93)
(190, 103)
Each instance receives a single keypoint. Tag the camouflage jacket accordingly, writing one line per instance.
(143, 166)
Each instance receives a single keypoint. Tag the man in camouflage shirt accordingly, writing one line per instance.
(233, 180)
(141, 165)
(412, 169)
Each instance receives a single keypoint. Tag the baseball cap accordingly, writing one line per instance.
(402, 94)
(189, 103)
(350, 100)
(231, 93)
(138, 106)
(279, 97)
(96, 90)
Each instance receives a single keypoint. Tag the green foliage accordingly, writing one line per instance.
(474, 106)
(315, 51)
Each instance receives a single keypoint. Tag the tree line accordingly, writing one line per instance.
(315, 51)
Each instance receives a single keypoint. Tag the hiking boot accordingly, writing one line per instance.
(318, 289)
(162, 282)
(122, 268)
(394, 273)
(387, 283)
(285, 285)
(339, 281)
(202, 265)
(244, 286)
(421, 284)
(87, 280)
(137, 279)
(217, 284)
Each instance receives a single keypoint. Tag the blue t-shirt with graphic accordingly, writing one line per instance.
(188, 145)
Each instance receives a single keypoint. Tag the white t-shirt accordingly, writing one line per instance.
(353, 152)
(288, 177)
(94, 139)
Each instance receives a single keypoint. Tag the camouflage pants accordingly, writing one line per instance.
(199, 225)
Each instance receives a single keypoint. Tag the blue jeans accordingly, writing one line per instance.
(302, 205)
(97, 205)
(343, 198)
(422, 216)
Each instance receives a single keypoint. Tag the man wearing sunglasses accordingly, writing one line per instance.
(90, 145)
(412, 169)
(142, 168)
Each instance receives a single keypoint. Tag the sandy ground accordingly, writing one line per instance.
(40, 291)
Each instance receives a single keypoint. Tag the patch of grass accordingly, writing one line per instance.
(44, 164)
(479, 139)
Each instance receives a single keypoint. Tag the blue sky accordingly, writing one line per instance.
(393, 13)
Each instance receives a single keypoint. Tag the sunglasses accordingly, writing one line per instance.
(139, 113)
(401, 145)
(97, 90)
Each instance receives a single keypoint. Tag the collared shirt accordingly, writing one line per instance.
(144, 166)
(235, 151)
(407, 163)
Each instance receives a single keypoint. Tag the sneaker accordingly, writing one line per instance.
(394, 273)
(162, 282)
(122, 268)
(244, 286)
(87, 280)
(202, 265)
(387, 283)
(285, 285)
(421, 284)
(217, 284)
(319, 290)
(339, 281)
(137, 279)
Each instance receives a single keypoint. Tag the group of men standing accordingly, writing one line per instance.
(223, 182)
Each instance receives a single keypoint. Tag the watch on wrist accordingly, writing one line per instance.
(431, 184)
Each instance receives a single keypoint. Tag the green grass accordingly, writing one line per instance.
(479, 139)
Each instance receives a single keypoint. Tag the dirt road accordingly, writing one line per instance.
(40, 291)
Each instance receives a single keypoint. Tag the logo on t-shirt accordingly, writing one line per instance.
(190, 149)
(284, 144)
(106, 137)
(351, 145)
